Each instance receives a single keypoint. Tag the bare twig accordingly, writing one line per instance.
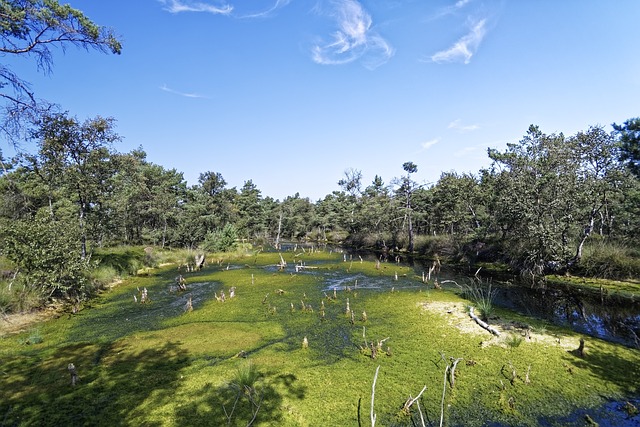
(482, 323)
(444, 390)
(411, 400)
(452, 371)
(373, 392)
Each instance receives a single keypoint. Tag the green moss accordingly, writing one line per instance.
(626, 290)
(156, 364)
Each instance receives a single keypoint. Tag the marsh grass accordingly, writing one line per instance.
(34, 337)
(610, 261)
(483, 297)
(154, 364)
(513, 340)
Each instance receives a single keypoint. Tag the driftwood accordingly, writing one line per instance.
(200, 259)
(580, 350)
(181, 283)
(282, 264)
(144, 296)
(74, 374)
(373, 394)
(482, 323)
(304, 267)
(406, 408)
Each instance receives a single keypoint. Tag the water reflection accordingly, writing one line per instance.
(612, 319)
(594, 314)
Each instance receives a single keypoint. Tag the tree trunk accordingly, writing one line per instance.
(277, 243)
(587, 232)
(83, 234)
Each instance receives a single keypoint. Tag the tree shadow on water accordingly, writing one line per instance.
(113, 384)
(238, 403)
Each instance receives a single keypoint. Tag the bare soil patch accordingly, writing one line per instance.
(19, 322)
(457, 316)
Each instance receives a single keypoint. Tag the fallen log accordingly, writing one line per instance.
(482, 323)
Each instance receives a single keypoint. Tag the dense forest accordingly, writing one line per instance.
(547, 203)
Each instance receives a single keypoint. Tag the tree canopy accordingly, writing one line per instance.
(541, 201)
(34, 29)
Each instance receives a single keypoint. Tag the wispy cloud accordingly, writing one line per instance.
(277, 5)
(354, 39)
(185, 94)
(177, 6)
(464, 48)
(457, 125)
(449, 10)
(428, 144)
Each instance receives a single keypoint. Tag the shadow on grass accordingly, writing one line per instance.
(613, 364)
(113, 384)
(234, 405)
(120, 315)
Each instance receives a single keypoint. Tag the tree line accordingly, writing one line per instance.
(535, 207)
(538, 207)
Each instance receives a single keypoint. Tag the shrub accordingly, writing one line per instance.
(47, 253)
(125, 260)
(221, 240)
(443, 245)
(35, 337)
(104, 275)
(608, 260)
(17, 296)
(482, 298)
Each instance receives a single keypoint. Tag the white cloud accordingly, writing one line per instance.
(449, 10)
(354, 39)
(278, 4)
(457, 125)
(177, 6)
(428, 144)
(464, 48)
(175, 92)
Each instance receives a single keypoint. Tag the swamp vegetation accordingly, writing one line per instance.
(284, 350)
(90, 239)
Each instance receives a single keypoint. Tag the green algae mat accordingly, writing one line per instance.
(252, 341)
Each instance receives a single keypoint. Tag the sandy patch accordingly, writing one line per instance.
(457, 316)
(19, 322)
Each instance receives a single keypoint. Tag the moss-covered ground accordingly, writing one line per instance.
(156, 364)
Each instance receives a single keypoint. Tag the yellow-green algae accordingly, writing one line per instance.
(155, 364)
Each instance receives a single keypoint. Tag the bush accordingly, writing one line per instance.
(609, 260)
(482, 298)
(104, 275)
(443, 245)
(125, 260)
(47, 254)
(17, 296)
(221, 240)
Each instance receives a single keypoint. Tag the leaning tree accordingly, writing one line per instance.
(34, 29)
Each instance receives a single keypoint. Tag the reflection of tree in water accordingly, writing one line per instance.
(613, 322)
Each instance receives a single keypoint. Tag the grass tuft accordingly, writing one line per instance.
(482, 297)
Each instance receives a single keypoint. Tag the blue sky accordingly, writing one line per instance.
(291, 93)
